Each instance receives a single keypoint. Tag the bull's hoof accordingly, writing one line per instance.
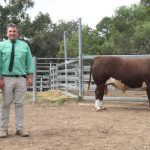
(100, 109)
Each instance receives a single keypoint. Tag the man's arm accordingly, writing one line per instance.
(1, 78)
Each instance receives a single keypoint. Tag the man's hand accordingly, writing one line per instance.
(30, 80)
(1, 83)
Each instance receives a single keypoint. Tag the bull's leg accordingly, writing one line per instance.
(99, 93)
(148, 92)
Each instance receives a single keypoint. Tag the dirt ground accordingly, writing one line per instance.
(77, 126)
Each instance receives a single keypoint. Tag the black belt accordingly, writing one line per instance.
(16, 76)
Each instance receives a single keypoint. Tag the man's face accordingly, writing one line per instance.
(12, 33)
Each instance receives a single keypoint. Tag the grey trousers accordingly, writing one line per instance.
(13, 92)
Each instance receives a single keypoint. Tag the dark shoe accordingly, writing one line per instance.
(3, 133)
(22, 133)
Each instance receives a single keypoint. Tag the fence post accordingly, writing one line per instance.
(50, 70)
(65, 54)
(56, 77)
(80, 61)
(34, 82)
(41, 84)
(53, 73)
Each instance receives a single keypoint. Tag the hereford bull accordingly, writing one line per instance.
(132, 72)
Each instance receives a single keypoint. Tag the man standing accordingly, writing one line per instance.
(16, 70)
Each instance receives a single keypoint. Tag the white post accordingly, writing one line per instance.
(34, 82)
(41, 84)
(65, 54)
(50, 72)
(80, 61)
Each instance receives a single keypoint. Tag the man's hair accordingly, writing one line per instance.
(11, 25)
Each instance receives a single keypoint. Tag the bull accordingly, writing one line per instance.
(130, 72)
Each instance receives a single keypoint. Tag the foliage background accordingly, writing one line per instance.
(127, 32)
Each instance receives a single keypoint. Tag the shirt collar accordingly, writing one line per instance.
(11, 41)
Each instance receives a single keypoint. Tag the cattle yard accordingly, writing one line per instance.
(55, 74)
(124, 125)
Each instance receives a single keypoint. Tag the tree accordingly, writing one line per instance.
(124, 32)
(145, 3)
(13, 11)
(127, 32)
(142, 37)
(104, 26)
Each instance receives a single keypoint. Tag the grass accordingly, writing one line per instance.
(49, 97)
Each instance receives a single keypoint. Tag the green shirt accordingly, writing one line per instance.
(23, 61)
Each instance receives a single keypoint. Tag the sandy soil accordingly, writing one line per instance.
(77, 126)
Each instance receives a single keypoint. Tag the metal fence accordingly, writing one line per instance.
(65, 78)
(56, 74)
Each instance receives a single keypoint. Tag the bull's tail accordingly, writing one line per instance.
(90, 75)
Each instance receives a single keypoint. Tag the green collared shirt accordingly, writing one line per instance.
(23, 61)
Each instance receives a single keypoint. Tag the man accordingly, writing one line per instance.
(16, 70)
